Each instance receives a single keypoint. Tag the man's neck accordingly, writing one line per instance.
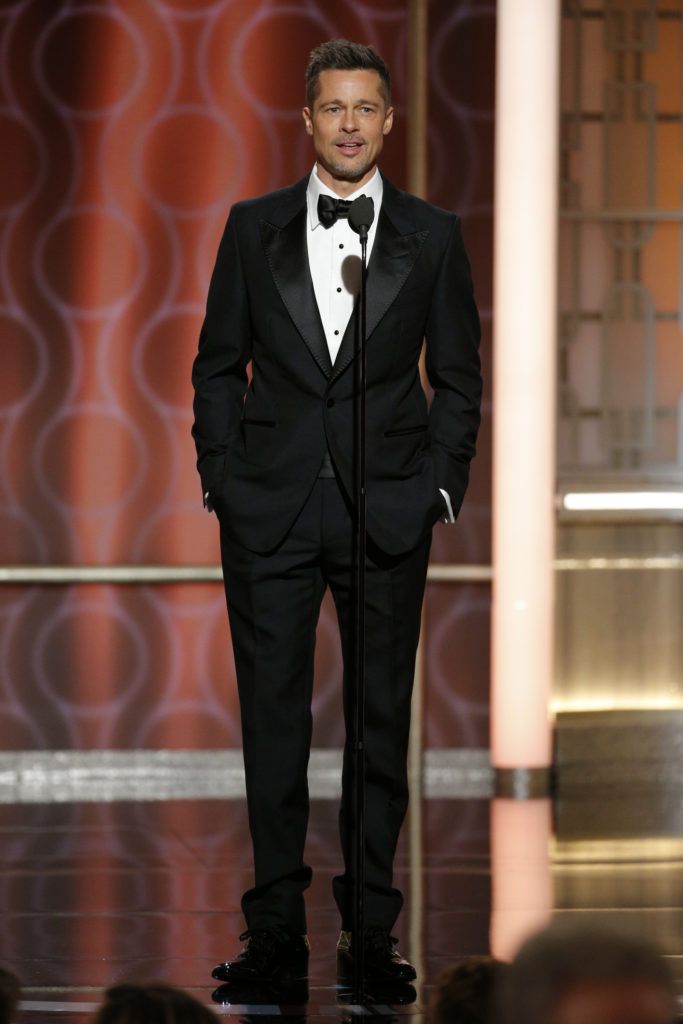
(342, 187)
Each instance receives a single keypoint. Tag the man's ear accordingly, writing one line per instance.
(388, 121)
(308, 121)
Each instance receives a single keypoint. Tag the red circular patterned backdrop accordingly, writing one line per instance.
(127, 130)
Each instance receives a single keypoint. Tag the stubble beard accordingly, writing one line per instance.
(343, 172)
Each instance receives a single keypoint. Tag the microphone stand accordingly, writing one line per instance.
(361, 215)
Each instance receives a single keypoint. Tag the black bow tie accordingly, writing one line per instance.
(330, 209)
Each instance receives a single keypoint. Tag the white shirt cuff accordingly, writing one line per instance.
(448, 517)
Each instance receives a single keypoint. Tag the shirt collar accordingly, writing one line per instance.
(373, 188)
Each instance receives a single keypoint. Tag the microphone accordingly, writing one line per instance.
(361, 215)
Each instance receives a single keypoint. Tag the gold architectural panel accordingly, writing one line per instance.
(621, 240)
(659, 268)
(618, 635)
(620, 420)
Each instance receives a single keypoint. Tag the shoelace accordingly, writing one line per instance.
(262, 942)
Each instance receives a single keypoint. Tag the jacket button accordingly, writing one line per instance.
(330, 403)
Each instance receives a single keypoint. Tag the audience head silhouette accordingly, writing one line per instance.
(465, 992)
(151, 1004)
(582, 973)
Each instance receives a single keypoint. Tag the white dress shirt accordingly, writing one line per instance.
(334, 257)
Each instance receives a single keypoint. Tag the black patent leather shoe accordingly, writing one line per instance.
(269, 956)
(382, 960)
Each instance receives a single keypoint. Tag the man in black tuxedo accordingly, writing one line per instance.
(275, 455)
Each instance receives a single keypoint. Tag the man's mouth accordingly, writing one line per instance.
(349, 148)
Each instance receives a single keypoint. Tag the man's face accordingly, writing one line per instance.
(347, 123)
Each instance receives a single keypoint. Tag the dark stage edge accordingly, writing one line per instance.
(98, 893)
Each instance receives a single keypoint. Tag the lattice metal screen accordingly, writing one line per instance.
(621, 241)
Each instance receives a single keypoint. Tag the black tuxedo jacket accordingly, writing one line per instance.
(260, 444)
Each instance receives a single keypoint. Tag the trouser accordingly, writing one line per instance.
(273, 605)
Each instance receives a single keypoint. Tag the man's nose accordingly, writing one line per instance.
(349, 123)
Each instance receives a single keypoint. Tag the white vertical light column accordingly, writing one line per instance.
(521, 877)
(524, 316)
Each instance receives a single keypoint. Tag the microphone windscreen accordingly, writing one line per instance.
(361, 213)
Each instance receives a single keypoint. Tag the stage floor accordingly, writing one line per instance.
(98, 893)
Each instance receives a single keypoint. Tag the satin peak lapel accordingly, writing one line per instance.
(392, 258)
(287, 257)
